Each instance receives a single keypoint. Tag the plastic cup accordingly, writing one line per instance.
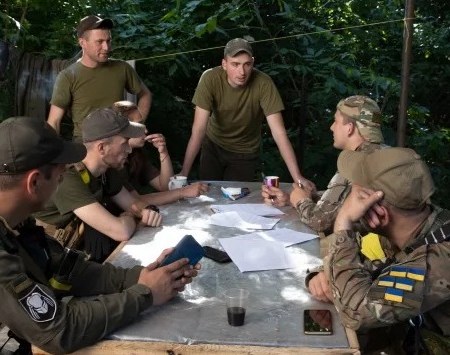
(272, 181)
(236, 301)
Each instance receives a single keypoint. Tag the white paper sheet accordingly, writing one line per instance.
(257, 255)
(242, 220)
(285, 236)
(259, 209)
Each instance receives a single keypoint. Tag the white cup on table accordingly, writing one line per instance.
(177, 182)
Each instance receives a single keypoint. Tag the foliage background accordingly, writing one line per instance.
(316, 51)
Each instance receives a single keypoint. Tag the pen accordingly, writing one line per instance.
(263, 177)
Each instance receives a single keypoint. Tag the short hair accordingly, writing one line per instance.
(10, 181)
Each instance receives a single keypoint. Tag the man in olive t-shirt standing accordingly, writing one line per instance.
(231, 102)
(95, 81)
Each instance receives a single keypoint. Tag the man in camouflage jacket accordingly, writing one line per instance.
(409, 279)
(356, 126)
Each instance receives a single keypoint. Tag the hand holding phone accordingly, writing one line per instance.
(187, 247)
(318, 322)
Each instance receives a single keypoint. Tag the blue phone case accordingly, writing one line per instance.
(187, 247)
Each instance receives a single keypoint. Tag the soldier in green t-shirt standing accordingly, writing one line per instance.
(96, 80)
(231, 102)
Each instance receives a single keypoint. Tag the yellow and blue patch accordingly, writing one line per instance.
(403, 283)
(416, 274)
(398, 283)
(393, 294)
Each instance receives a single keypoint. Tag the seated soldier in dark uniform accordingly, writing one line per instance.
(36, 272)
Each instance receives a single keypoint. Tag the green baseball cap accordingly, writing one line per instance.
(367, 115)
(106, 122)
(236, 46)
(398, 172)
(28, 143)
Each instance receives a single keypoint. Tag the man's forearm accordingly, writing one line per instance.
(145, 103)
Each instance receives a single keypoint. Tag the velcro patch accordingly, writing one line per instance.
(39, 306)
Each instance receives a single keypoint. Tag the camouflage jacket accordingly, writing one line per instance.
(417, 282)
(320, 216)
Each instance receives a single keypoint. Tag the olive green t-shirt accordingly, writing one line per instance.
(73, 193)
(236, 113)
(81, 90)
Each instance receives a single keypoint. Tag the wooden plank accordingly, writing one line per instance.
(117, 347)
(115, 252)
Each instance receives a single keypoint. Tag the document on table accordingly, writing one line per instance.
(257, 254)
(259, 209)
(242, 220)
(285, 236)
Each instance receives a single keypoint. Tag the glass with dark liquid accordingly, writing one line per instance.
(236, 299)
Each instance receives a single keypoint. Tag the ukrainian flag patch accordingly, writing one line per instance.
(398, 271)
(399, 282)
(386, 281)
(393, 294)
(416, 274)
(403, 283)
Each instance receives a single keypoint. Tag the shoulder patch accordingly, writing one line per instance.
(39, 306)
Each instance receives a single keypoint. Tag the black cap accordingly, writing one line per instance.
(28, 143)
(93, 22)
(106, 122)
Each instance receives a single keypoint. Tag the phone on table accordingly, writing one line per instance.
(317, 322)
(187, 247)
(216, 254)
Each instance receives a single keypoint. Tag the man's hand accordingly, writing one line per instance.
(158, 141)
(274, 196)
(319, 287)
(308, 185)
(356, 205)
(194, 190)
(147, 216)
(298, 194)
(166, 281)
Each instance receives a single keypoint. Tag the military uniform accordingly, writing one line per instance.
(417, 282)
(320, 216)
(33, 282)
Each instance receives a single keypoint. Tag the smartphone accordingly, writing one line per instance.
(187, 247)
(317, 322)
(216, 254)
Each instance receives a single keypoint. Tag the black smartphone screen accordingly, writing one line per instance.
(318, 322)
(217, 255)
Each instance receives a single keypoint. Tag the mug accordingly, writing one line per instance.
(177, 182)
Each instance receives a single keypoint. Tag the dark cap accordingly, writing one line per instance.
(27, 143)
(106, 122)
(236, 46)
(399, 172)
(93, 22)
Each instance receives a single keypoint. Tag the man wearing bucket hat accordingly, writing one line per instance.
(90, 186)
(356, 126)
(409, 282)
(96, 80)
(36, 272)
(231, 102)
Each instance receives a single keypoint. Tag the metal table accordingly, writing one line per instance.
(196, 321)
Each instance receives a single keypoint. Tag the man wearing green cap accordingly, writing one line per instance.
(95, 81)
(231, 102)
(356, 126)
(88, 187)
(36, 272)
(409, 283)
